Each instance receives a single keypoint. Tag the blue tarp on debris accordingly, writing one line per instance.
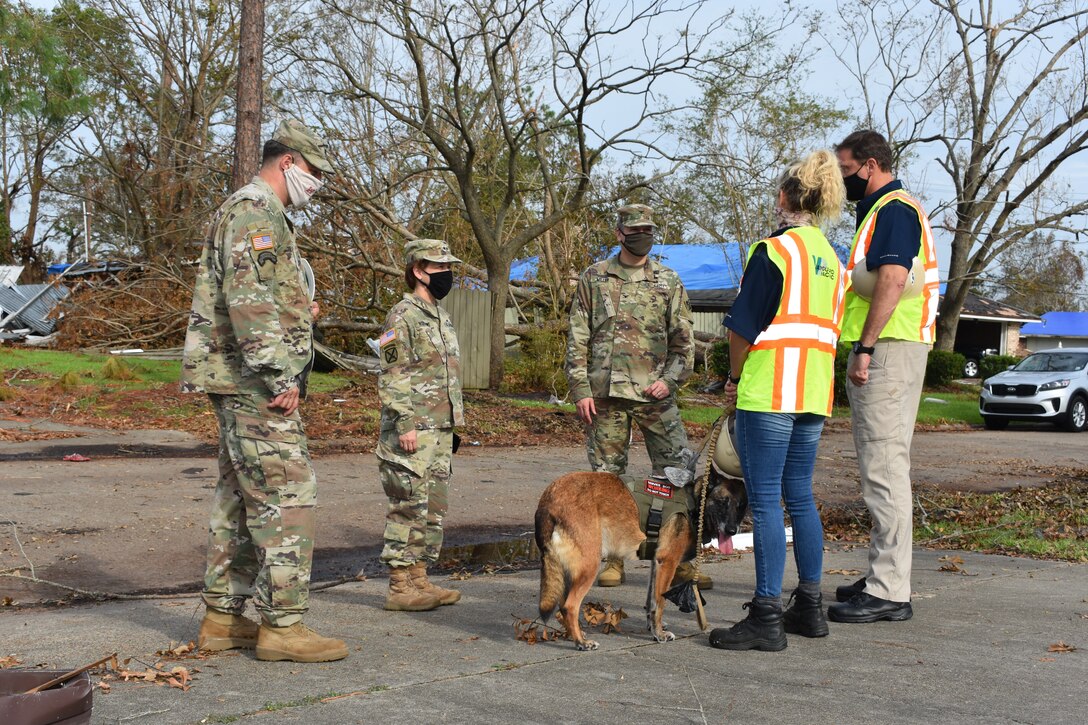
(1058, 324)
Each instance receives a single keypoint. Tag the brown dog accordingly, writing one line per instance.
(584, 517)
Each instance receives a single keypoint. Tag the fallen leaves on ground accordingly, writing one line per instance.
(177, 677)
(952, 564)
(1039, 521)
(9, 661)
(179, 651)
(1060, 646)
(602, 615)
(844, 572)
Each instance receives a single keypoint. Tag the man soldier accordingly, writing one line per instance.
(630, 349)
(249, 346)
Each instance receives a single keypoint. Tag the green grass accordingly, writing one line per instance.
(89, 367)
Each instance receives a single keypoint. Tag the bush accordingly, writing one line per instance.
(539, 363)
(943, 367)
(842, 354)
(994, 364)
(717, 359)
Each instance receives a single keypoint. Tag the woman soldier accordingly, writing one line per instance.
(420, 390)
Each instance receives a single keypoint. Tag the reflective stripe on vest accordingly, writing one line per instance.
(791, 365)
(913, 319)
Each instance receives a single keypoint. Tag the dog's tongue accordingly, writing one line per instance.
(725, 544)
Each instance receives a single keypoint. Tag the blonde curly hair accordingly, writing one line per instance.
(814, 185)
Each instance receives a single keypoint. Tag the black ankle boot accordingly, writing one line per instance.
(805, 615)
(761, 630)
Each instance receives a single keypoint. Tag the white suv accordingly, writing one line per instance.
(1048, 385)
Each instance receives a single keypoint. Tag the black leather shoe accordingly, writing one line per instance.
(864, 608)
(847, 591)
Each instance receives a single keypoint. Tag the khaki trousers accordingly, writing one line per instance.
(883, 412)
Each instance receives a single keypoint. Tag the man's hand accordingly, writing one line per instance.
(858, 369)
(658, 390)
(408, 442)
(586, 410)
(730, 394)
(287, 402)
(315, 309)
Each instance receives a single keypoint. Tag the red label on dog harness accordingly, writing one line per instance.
(658, 488)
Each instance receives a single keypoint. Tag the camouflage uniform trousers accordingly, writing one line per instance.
(261, 537)
(417, 504)
(608, 438)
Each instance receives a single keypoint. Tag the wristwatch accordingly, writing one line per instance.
(735, 381)
(859, 349)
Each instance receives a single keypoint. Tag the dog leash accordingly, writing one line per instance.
(712, 440)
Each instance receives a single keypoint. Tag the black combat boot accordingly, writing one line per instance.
(761, 630)
(805, 614)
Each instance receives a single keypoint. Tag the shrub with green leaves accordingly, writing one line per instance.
(717, 360)
(943, 367)
(994, 364)
(842, 354)
(539, 363)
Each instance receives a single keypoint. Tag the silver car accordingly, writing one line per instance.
(1048, 385)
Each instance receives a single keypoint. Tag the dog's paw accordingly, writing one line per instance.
(587, 645)
(664, 636)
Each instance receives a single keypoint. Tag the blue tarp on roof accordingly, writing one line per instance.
(1058, 324)
(700, 266)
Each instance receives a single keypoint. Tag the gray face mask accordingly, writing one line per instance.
(638, 243)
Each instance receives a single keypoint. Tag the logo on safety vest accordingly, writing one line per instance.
(658, 488)
(823, 269)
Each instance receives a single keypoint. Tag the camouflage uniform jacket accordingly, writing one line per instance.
(629, 327)
(420, 381)
(250, 326)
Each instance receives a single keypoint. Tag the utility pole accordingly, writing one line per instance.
(249, 93)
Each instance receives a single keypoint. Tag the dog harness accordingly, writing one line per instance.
(657, 500)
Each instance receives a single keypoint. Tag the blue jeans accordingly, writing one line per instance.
(778, 454)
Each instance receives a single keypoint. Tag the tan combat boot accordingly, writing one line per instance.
(403, 595)
(297, 643)
(425, 585)
(686, 572)
(220, 631)
(612, 575)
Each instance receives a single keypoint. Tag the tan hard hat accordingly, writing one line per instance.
(863, 282)
(726, 460)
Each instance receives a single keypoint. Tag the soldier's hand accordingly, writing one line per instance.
(408, 442)
(586, 410)
(287, 402)
(658, 390)
(315, 309)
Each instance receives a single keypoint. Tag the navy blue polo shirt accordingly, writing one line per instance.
(898, 233)
(759, 296)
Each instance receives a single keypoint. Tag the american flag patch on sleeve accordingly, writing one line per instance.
(260, 241)
(387, 337)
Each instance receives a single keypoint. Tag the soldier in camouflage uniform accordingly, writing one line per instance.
(630, 348)
(420, 391)
(249, 346)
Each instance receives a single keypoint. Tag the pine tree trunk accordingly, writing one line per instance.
(250, 92)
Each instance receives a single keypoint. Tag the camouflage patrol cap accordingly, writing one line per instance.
(636, 215)
(432, 250)
(294, 135)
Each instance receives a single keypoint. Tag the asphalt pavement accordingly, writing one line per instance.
(978, 650)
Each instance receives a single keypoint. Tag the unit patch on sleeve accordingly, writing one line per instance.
(260, 240)
(660, 489)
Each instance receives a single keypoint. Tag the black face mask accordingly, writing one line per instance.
(441, 283)
(855, 186)
(638, 243)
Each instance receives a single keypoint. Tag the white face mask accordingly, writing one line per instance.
(300, 185)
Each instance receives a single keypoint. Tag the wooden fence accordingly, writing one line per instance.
(470, 312)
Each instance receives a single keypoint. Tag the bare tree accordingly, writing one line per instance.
(483, 88)
(995, 92)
